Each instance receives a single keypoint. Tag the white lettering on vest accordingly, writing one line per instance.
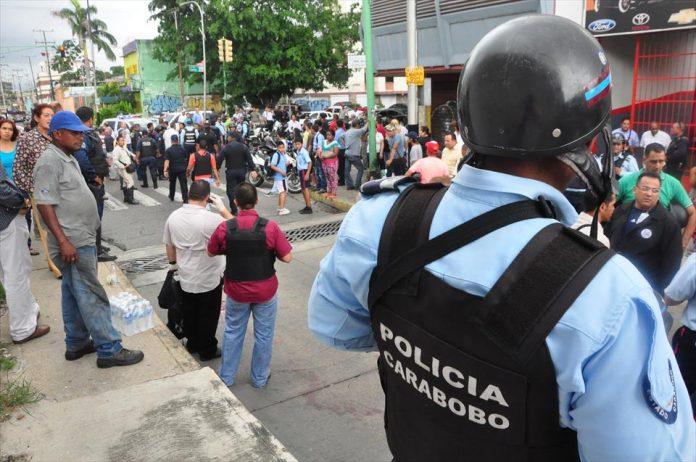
(389, 359)
(436, 367)
(403, 346)
(411, 378)
(439, 397)
(424, 388)
(456, 406)
(498, 421)
(386, 332)
(493, 393)
(417, 359)
(447, 373)
(477, 415)
(471, 386)
(399, 369)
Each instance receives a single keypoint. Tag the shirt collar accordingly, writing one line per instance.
(193, 206)
(486, 180)
(61, 154)
(248, 213)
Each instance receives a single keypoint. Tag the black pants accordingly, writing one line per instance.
(341, 167)
(397, 167)
(233, 178)
(183, 185)
(160, 166)
(684, 346)
(148, 163)
(201, 314)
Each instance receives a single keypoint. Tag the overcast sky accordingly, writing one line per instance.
(126, 20)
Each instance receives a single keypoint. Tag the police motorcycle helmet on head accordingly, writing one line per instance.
(539, 86)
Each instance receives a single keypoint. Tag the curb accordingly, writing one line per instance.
(338, 203)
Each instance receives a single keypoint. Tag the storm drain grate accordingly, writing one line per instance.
(313, 232)
(144, 264)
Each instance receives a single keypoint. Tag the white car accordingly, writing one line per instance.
(115, 122)
(314, 115)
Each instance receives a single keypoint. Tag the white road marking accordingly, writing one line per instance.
(114, 204)
(145, 200)
(165, 192)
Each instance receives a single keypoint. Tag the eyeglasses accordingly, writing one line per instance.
(648, 188)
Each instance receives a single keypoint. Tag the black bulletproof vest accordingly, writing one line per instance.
(189, 137)
(147, 147)
(470, 378)
(247, 257)
(202, 166)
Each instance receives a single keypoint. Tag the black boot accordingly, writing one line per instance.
(129, 194)
(154, 181)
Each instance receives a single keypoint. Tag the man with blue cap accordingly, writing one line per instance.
(69, 210)
(503, 334)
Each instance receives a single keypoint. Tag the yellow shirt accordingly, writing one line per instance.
(451, 157)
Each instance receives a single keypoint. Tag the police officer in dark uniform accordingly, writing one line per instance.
(94, 168)
(147, 154)
(189, 137)
(237, 158)
(503, 334)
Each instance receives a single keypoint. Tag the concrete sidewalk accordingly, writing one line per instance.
(344, 198)
(166, 407)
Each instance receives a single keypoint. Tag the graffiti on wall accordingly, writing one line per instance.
(162, 103)
(195, 103)
(313, 104)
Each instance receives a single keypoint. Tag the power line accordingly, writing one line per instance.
(48, 60)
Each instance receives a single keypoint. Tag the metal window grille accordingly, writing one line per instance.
(664, 83)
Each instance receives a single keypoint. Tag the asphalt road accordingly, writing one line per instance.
(322, 404)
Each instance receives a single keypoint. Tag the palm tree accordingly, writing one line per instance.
(77, 19)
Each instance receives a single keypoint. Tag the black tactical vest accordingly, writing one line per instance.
(147, 147)
(202, 166)
(470, 378)
(247, 257)
(189, 138)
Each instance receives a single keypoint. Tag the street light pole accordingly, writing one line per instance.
(369, 82)
(2, 88)
(412, 50)
(33, 79)
(94, 58)
(205, 64)
(178, 60)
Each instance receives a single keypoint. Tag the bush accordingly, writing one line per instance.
(109, 111)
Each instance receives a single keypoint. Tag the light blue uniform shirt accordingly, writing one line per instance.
(603, 347)
(629, 165)
(683, 287)
(279, 160)
(303, 159)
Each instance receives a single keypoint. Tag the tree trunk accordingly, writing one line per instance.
(85, 61)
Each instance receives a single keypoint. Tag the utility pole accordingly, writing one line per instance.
(369, 81)
(19, 84)
(2, 88)
(33, 79)
(178, 59)
(94, 58)
(412, 51)
(48, 60)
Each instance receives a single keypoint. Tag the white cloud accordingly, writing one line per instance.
(126, 20)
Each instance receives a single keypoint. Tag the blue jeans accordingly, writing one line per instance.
(86, 309)
(236, 318)
(357, 163)
(321, 178)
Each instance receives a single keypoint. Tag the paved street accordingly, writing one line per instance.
(335, 395)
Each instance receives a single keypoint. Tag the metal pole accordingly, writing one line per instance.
(205, 64)
(19, 84)
(48, 61)
(412, 51)
(2, 89)
(94, 58)
(369, 81)
(36, 89)
(178, 59)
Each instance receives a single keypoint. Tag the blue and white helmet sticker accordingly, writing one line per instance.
(667, 413)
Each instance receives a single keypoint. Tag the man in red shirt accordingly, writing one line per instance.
(202, 165)
(251, 245)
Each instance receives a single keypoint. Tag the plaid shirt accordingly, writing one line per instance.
(30, 146)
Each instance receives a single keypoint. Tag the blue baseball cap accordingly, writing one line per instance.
(66, 120)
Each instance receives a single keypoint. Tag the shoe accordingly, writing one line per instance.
(283, 212)
(144, 185)
(306, 211)
(124, 357)
(105, 249)
(264, 385)
(33, 252)
(217, 354)
(77, 354)
(321, 191)
(39, 331)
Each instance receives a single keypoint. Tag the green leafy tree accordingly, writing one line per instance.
(279, 45)
(66, 63)
(117, 71)
(76, 17)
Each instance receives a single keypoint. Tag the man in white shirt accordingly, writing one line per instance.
(294, 124)
(186, 235)
(655, 135)
(269, 117)
(584, 221)
(451, 154)
(171, 130)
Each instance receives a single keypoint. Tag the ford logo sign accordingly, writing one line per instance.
(602, 25)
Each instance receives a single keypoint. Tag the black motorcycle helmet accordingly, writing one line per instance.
(538, 85)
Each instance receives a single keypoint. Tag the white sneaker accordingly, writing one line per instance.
(283, 212)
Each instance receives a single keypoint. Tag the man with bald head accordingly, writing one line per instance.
(655, 135)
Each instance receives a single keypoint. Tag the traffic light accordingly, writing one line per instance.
(221, 50)
(61, 50)
(228, 51)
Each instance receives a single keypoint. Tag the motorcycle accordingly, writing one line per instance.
(262, 155)
(259, 167)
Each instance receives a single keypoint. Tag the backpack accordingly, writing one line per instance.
(269, 171)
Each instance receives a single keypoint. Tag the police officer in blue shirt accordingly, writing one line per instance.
(504, 335)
